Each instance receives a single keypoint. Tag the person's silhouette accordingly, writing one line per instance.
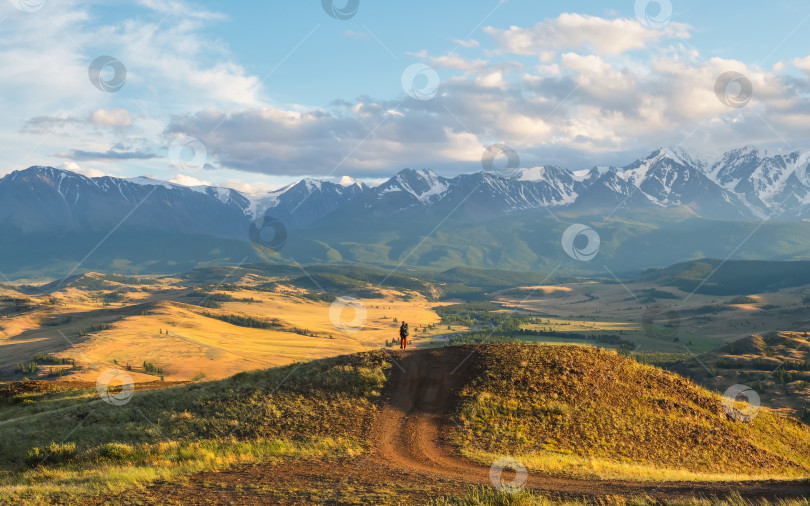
(403, 336)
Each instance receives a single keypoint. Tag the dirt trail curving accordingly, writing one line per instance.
(410, 462)
(408, 433)
(409, 437)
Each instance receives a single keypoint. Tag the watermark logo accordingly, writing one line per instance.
(268, 235)
(338, 310)
(661, 323)
(346, 12)
(187, 153)
(28, 5)
(581, 242)
(111, 380)
(494, 153)
(741, 402)
(107, 73)
(653, 13)
(420, 82)
(733, 89)
(496, 475)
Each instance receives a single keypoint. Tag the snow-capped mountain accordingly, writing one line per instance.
(743, 184)
(45, 199)
(50, 219)
(770, 185)
(669, 179)
(305, 202)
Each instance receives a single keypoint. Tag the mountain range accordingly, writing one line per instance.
(744, 184)
(45, 212)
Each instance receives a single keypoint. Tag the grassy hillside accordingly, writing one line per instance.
(595, 413)
(54, 444)
(733, 277)
(216, 321)
(775, 364)
(562, 409)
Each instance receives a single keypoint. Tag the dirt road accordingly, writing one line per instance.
(411, 461)
(410, 437)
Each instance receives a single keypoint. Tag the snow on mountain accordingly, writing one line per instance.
(425, 185)
(412, 188)
(743, 184)
(533, 174)
(148, 181)
(349, 181)
(41, 199)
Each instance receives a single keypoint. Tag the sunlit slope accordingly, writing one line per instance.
(169, 326)
(595, 413)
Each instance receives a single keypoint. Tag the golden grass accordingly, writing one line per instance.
(593, 413)
(479, 495)
(187, 345)
(319, 409)
(541, 289)
(596, 468)
(166, 461)
(580, 325)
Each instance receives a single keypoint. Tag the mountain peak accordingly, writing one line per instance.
(39, 169)
(348, 181)
(43, 172)
(311, 184)
(676, 154)
(420, 173)
(532, 174)
(424, 184)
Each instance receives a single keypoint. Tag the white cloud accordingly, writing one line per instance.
(577, 31)
(802, 64)
(586, 108)
(493, 80)
(89, 172)
(355, 35)
(454, 61)
(418, 54)
(173, 65)
(586, 95)
(186, 180)
(469, 43)
(254, 188)
(111, 117)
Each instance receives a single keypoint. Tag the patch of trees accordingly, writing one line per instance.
(94, 328)
(320, 297)
(247, 321)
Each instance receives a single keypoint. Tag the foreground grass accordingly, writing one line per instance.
(97, 471)
(478, 496)
(595, 414)
(85, 446)
(590, 468)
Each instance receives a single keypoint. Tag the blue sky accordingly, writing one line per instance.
(265, 93)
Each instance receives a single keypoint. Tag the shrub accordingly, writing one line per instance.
(27, 367)
(115, 451)
(488, 495)
(94, 328)
(54, 453)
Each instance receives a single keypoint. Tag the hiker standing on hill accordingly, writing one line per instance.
(403, 336)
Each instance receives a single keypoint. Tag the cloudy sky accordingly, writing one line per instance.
(253, 95)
